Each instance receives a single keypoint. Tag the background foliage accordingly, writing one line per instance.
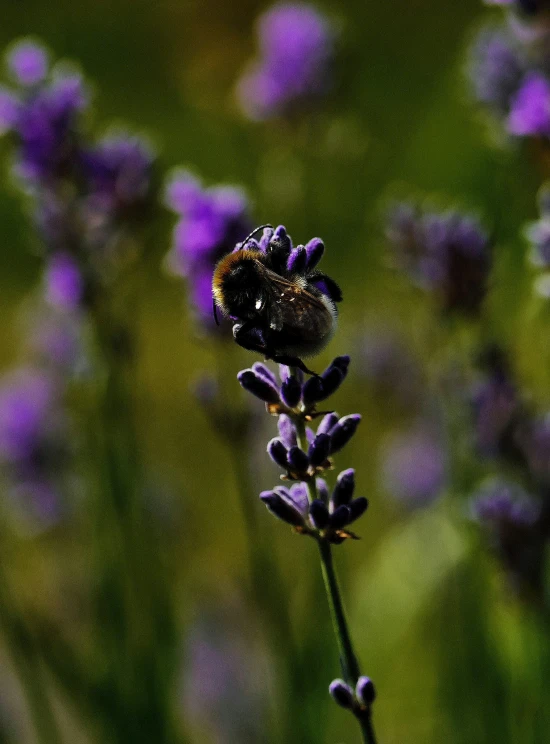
(454, 655)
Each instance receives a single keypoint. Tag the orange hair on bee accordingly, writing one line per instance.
(223, 270)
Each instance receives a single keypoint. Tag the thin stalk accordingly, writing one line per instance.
(268, 597)
(348, 659)
(29, 669)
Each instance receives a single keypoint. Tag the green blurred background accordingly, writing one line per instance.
(453, 656)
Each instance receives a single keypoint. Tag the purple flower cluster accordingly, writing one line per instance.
(500, 505)
(86, 198)
(514, 522)
(506, 428)
(304, 459)
(84, 194)
(496, 407)
(296, 52)
(508, 71)
(211, 222)
(33, 442)
(299, 259)
(444, 252)
(43, 112)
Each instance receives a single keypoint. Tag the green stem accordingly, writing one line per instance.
(27, 662)
(348, 659)
(268, 597)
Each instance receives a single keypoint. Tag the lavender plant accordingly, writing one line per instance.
(89, 199)
(308, 505)
(294, 67)
(508, 69)
(210, 222)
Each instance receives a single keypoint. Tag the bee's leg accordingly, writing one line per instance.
(249, 336)
(291, 361)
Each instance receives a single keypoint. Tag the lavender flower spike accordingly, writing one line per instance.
(308, 506)
(211, 221)
(296, 50)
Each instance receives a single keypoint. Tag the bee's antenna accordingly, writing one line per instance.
(257, 229)
(215, 311)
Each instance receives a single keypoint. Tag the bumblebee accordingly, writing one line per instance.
(280, 305)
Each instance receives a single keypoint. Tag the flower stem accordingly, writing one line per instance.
(28, 666)
(348, 659)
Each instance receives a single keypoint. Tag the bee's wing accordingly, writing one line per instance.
(293, 307)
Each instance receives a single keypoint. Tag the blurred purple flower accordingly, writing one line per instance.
(56, 340)
(530, 107)
(211, 222)
(63, 282)
(496, 409)
(28, 62)
(296, 52)
(512, 520)
(32, 440)
(447, 252)
(499, 503)
(496, 67)
(45, 127)
(119, 169)
(415, 467)
(25, 407)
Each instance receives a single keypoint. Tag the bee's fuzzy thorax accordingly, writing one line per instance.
(223, 271)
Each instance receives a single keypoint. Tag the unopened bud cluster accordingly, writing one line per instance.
(359, 701)
(324, 515)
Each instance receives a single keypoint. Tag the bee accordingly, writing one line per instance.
(280, 305)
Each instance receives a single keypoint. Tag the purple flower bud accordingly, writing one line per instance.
(63, 280)
(296, 262)
(341, 693)
(298, 495)
(280, 239)
(258, 386)
(319, 450)
(314, 249)
(327, 423)
(530, 107)
(287, 431)
(365, 691)
(340, 517)
(278, 452)
(343, 431)
(313, 391)
(357, 508)
(28, 62)
(291, 391)
(282, 508)
(265, 373)
(297, 460)
(331, 380)
(319, 514)
(322, 489)
(344, 488)
(342, 362)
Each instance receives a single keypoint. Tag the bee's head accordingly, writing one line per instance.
(237, 283)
